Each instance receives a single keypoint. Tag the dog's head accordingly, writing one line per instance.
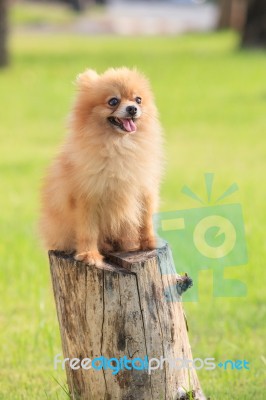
(119, 101)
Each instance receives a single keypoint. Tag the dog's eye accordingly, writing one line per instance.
(113, 101)
(138, 100)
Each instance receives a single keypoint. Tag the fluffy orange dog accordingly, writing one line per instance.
(102, 189)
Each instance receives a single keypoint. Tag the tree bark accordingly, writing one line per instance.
(3, 33)
(80, 5)
(129, 307)
(225, 8)
(232, 14)
(254, 33)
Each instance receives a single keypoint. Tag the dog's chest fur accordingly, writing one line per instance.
(113, 175)
(113, 167)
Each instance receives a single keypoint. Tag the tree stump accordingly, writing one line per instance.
(128, 308)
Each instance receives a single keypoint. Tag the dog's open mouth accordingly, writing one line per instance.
(126, 124)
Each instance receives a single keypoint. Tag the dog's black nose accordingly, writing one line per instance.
(132, 110)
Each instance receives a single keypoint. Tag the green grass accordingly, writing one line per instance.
(212, 101)
(27, 14)
(30, 14)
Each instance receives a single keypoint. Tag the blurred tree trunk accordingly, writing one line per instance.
(3, 33)
(77, 5)
(225, 14)
(232, 14)
(254, 32)
(81, 5)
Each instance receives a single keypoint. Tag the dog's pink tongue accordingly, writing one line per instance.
(129, 125)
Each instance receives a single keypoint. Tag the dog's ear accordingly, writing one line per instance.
(86, 78)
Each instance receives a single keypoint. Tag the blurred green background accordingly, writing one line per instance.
(212, 100)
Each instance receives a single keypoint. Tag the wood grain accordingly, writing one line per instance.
(129, 307)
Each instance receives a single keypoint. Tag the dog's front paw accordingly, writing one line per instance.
(148, 243)
(90, 258)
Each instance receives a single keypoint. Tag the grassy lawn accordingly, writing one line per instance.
(57, 15)
(212, 101)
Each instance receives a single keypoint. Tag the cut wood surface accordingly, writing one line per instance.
(129, 307)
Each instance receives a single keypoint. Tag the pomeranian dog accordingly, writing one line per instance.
(102, 189)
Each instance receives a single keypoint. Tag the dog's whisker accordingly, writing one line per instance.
(149, 115)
